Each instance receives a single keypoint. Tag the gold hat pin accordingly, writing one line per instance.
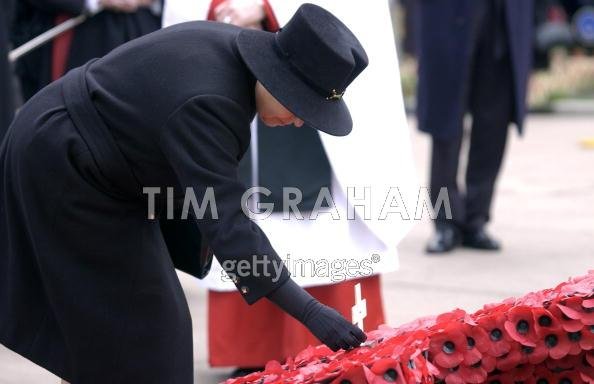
(335, 95)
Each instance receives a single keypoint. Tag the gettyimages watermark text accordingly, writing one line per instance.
(336, 270)
(359, 203)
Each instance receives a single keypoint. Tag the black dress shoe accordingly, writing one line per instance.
(243, 371)
(444, 239)
(480, 239)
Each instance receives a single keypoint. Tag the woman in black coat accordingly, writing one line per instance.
(87, 289)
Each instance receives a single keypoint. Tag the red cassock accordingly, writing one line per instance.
(60, 49)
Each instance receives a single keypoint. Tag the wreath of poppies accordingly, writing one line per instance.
(545, 337)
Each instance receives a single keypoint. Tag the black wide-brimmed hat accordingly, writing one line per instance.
(307, 66)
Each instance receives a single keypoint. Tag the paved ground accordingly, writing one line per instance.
(544, 213)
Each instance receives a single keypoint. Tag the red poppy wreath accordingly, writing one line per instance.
(545, 337)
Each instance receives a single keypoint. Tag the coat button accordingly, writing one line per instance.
(244, 290)
(235, 279)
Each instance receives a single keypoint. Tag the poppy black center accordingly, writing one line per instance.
(592, 328)
(345, 381)
(448, 347)
(527, 350)
(545, 321)
(391, 375)
(477, 364)
(522, 327)
(495, 382)
(565, 380)
(470, 341)
(496, 334)
(575, 336)
(551, 341)
(542, 381)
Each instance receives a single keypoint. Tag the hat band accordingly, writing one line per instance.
(328, 95)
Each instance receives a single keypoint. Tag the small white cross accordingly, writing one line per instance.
(359, 310)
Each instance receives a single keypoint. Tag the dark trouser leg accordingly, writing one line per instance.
(444, 170)
(491, 105)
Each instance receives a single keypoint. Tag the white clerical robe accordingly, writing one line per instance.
(377, 155)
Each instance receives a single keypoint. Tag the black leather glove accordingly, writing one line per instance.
(324, 322)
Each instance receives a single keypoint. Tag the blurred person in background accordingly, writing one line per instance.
(6, 96)
(475, 57)
(304, 159)
(116, 22)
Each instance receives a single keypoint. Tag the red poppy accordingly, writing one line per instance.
(586, 370)
(557, 344)
(535, 355)
(387, 370)
(543, 375)
(499, 343)
(580, 285)
(290, 363)
(502, 378)
(520, 325)
(586, 377)
(568, 362)
(478, 337)
(473, 374)
(522, 372)
(387, 378)
(495, 308)
(567, 323)
(584, 338)
(451, 375)
(447, 347)
(511, 359)
(573, 308)
(312, 353)
(569, 377)
(328, 372)
(449, 317)
(273, 366)
(489, 363)
(477, 343)
(352, 373)
(544, 321)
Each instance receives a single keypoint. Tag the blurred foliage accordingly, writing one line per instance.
(567, 77)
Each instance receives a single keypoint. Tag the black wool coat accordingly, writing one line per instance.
(87, 288)
(446, 31)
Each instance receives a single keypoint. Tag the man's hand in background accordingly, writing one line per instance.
(243, 13)
(127, 6)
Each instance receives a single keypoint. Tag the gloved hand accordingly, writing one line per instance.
(324, 322)
(331, 328)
